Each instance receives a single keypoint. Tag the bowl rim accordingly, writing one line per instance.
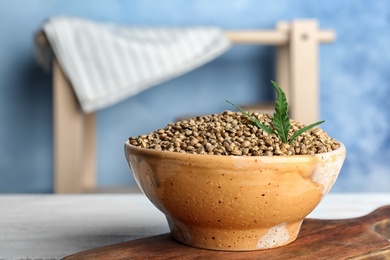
(264, 158)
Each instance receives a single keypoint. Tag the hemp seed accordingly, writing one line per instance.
(231, 133)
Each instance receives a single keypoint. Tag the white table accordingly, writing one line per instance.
(53, 226)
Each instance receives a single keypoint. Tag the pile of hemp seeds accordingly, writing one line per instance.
(233, 133)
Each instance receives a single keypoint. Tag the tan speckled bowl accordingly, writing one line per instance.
(235, 203)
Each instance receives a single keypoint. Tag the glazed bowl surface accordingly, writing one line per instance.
(234, 203)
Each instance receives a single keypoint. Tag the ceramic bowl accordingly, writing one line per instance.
(234, 203)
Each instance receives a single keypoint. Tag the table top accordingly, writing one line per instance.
(54, 226)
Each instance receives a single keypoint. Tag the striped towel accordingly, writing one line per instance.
(107, 63)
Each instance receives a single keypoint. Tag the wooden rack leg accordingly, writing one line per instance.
(68, 133)
(304, 71)
(283, 62)
(74, 139)
(89, 148)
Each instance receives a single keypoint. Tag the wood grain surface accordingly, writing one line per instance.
(359, 238)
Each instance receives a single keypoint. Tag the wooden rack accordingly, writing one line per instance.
(297, 45)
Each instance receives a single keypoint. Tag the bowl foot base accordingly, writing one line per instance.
(228, 239)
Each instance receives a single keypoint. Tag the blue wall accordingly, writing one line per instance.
(354, 71)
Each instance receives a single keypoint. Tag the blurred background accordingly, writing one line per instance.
(353, 70)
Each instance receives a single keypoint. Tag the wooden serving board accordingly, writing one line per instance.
(358, 238)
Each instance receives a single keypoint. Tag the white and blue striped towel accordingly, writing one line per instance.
(107, 63)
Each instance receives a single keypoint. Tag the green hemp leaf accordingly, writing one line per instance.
(281, 120)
